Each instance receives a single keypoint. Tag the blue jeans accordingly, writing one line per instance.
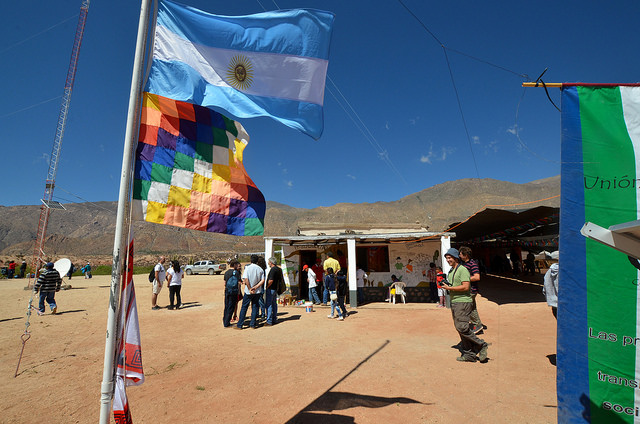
(272, 306)
(49, 297)
(253, 299)
(325, 295)
(263, 306)
(336, 307)
(313, 295)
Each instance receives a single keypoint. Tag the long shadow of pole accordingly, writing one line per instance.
(331, 401)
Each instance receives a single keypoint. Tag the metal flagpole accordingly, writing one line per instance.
(123, 218)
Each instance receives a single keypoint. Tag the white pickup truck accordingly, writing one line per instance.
(205, 267)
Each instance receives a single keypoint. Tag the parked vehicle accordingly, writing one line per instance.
(205, 267)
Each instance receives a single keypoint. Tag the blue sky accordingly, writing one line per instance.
(392, 121)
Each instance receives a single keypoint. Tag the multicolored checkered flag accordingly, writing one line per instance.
(189, 170)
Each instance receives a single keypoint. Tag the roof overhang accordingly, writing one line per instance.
(323, 240)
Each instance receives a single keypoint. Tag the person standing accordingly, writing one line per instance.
(360, 277)
(341, 290)
(330, 262)
(161, 275)
(261, 300)
(461, 307)
(433, 286)
(273, 282)
(12, 269)
(319, 272)
(174, 281)
(86, 270)
(550, 288)
(253, 279)
(23, 268)
(313, 284)
(330, 284)
(48, 284)
(231, 292)
(474, 271)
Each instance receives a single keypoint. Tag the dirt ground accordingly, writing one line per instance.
(383, 364)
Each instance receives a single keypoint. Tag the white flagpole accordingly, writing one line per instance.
(123, 219)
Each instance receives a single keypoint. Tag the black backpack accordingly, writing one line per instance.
(152, 274)
(232, 284)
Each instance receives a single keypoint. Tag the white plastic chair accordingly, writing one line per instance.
(399, 286)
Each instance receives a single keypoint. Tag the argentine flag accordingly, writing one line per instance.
(268, 64)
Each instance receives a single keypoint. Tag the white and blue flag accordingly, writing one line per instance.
(268, 64)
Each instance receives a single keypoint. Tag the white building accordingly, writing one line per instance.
(403, 250)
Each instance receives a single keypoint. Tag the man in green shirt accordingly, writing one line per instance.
(472, 348)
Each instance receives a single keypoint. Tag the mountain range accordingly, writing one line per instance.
(85, 231)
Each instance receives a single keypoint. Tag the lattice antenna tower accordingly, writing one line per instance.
(47, 202)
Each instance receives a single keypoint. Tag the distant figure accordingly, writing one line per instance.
(12, 270)
(48, 284)
(23, 269)
(550, 289)
(330, 262)
(161, 275)
(319, 271)
(330, 285)
(86, 270)
(342, 288)
(174, 281)
(311, 279)
(530, 263)
(392, 287)
(440, 289)
(433, 287)
(360, 277)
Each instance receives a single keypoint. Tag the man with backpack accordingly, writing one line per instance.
(231, 291)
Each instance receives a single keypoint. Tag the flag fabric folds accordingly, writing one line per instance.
(268, 64)
(598, 320)
(129, 370)
(189, 172)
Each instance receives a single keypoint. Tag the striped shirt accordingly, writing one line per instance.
(48, 281)
(472, 266)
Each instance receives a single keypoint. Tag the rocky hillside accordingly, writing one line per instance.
(86, 230)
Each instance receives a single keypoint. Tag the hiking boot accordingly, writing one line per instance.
(466, 359)
(170, 307)
(482, 355)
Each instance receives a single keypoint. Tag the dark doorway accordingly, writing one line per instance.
(307, 257)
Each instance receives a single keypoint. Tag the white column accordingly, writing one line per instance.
(268, 248)
(351, 272)
(445, 244)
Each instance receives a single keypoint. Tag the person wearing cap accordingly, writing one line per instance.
(313, 284)
(48, 284)
(472, 348)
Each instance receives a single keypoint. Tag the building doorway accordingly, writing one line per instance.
(307, 257)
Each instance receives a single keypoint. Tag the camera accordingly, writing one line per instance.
(444, 279)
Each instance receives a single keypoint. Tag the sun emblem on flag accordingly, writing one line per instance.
(240, 72)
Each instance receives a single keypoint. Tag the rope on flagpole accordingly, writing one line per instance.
(26, 335)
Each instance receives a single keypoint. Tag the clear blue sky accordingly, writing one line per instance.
(392, 73)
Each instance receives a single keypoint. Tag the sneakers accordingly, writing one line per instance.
(340, 318)
(329, 316)
(54, 310)
(170, 307)
(40, 313)
(155, 308)
(466, 359)
(482, 355)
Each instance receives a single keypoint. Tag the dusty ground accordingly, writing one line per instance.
(385, 363)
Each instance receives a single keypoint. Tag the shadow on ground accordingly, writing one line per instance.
(506, 289)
